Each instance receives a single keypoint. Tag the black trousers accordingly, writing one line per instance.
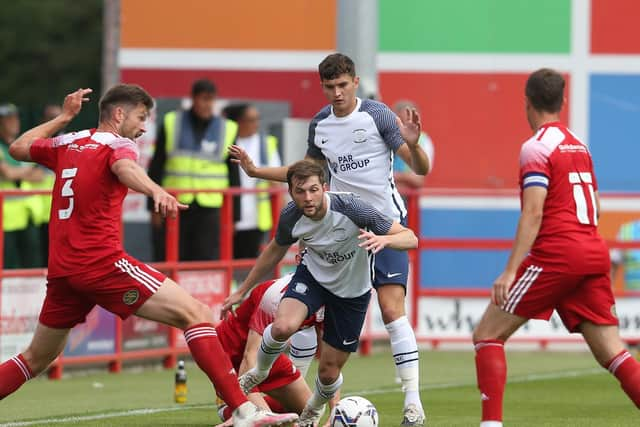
(246, 243)
(199, 235)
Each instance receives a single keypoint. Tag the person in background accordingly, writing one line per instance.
(255, 208)
(191, 151)
(402, 173)
(21, 239)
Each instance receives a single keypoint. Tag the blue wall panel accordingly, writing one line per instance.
(614, 130)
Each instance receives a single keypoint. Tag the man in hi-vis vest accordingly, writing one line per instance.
(191, 152)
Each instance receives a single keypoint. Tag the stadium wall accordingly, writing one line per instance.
(463, 62)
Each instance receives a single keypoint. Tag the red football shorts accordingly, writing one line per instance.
(125, 285)
(535, 293)
(281, 374)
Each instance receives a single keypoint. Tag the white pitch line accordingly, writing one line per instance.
(146, 411)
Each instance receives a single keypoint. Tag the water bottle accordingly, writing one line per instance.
(180, 391)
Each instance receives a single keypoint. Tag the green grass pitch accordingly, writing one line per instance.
(544, 389)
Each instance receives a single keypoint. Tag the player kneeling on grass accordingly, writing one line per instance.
(567, 266)
(240, 334)
(87, 265)
(334, 272)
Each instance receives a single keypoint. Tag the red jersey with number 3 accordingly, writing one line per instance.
(568, 240)
(86, 210)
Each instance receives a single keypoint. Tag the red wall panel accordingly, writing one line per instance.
(301, 88)
(477, 123)
(614, 26)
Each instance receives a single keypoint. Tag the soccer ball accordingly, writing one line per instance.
(354, 411)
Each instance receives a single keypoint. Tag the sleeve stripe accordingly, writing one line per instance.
(535, 179)
(535, 184)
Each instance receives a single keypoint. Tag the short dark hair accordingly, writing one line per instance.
(545, 90)
(235, 112)
(303, 170)
(334, 65)
(203, 86)
(123, 94)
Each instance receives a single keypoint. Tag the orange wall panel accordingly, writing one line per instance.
(242, 24)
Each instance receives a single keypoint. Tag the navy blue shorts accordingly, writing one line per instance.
(343, 317)
(390, 267)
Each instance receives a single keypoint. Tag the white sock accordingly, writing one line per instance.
(491, 424)
(302, 349)
(324, 392)
(269, 351)
(405, 354)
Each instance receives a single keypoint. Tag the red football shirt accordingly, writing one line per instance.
(257, 312)
(86, 211)
(568, 240)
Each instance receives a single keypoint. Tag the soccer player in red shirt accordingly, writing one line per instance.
(87, 263)
(240, 334)
(558, 260)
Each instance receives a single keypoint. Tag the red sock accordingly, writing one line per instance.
(275, 405)
(208, 353)
(13, 373)
(627, 371)
(491, 370)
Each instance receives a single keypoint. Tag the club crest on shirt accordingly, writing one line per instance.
(130, 297)
(614, 311)
(359, 136)
(339, 234)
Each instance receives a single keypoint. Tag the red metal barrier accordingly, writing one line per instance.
(226, 263)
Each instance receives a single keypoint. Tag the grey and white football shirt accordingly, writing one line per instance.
(359, 149)
(333, 256)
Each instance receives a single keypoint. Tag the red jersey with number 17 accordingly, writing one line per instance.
(568, 240)
(86, 210)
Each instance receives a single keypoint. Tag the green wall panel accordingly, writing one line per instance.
(475, 26)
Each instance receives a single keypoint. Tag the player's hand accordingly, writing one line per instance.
(73, 102)
(166, 205)
(228, 303)
(500, 289)
(372, 242)
(410, 126)
(240, 157)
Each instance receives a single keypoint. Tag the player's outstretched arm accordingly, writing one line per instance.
(528, 226)
(133, 176)
(19, 149)
(264, 264)
(411, 152)
(398, 237)
(240, 156)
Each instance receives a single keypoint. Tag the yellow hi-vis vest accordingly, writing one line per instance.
(202, 169)
(39, 205)
(15, 215)
(268, 150)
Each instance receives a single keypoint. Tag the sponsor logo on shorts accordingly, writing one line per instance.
(345, 342)
(614, 311)
(131, 297)
(300, 288)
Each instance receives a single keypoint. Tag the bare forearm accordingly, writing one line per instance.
(404, 240)
(272, 173)
(419, 160)
(134, 177)
(19, 149)
(528, 227)
(264, 264)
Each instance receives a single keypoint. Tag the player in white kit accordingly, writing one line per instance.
(357, 140)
